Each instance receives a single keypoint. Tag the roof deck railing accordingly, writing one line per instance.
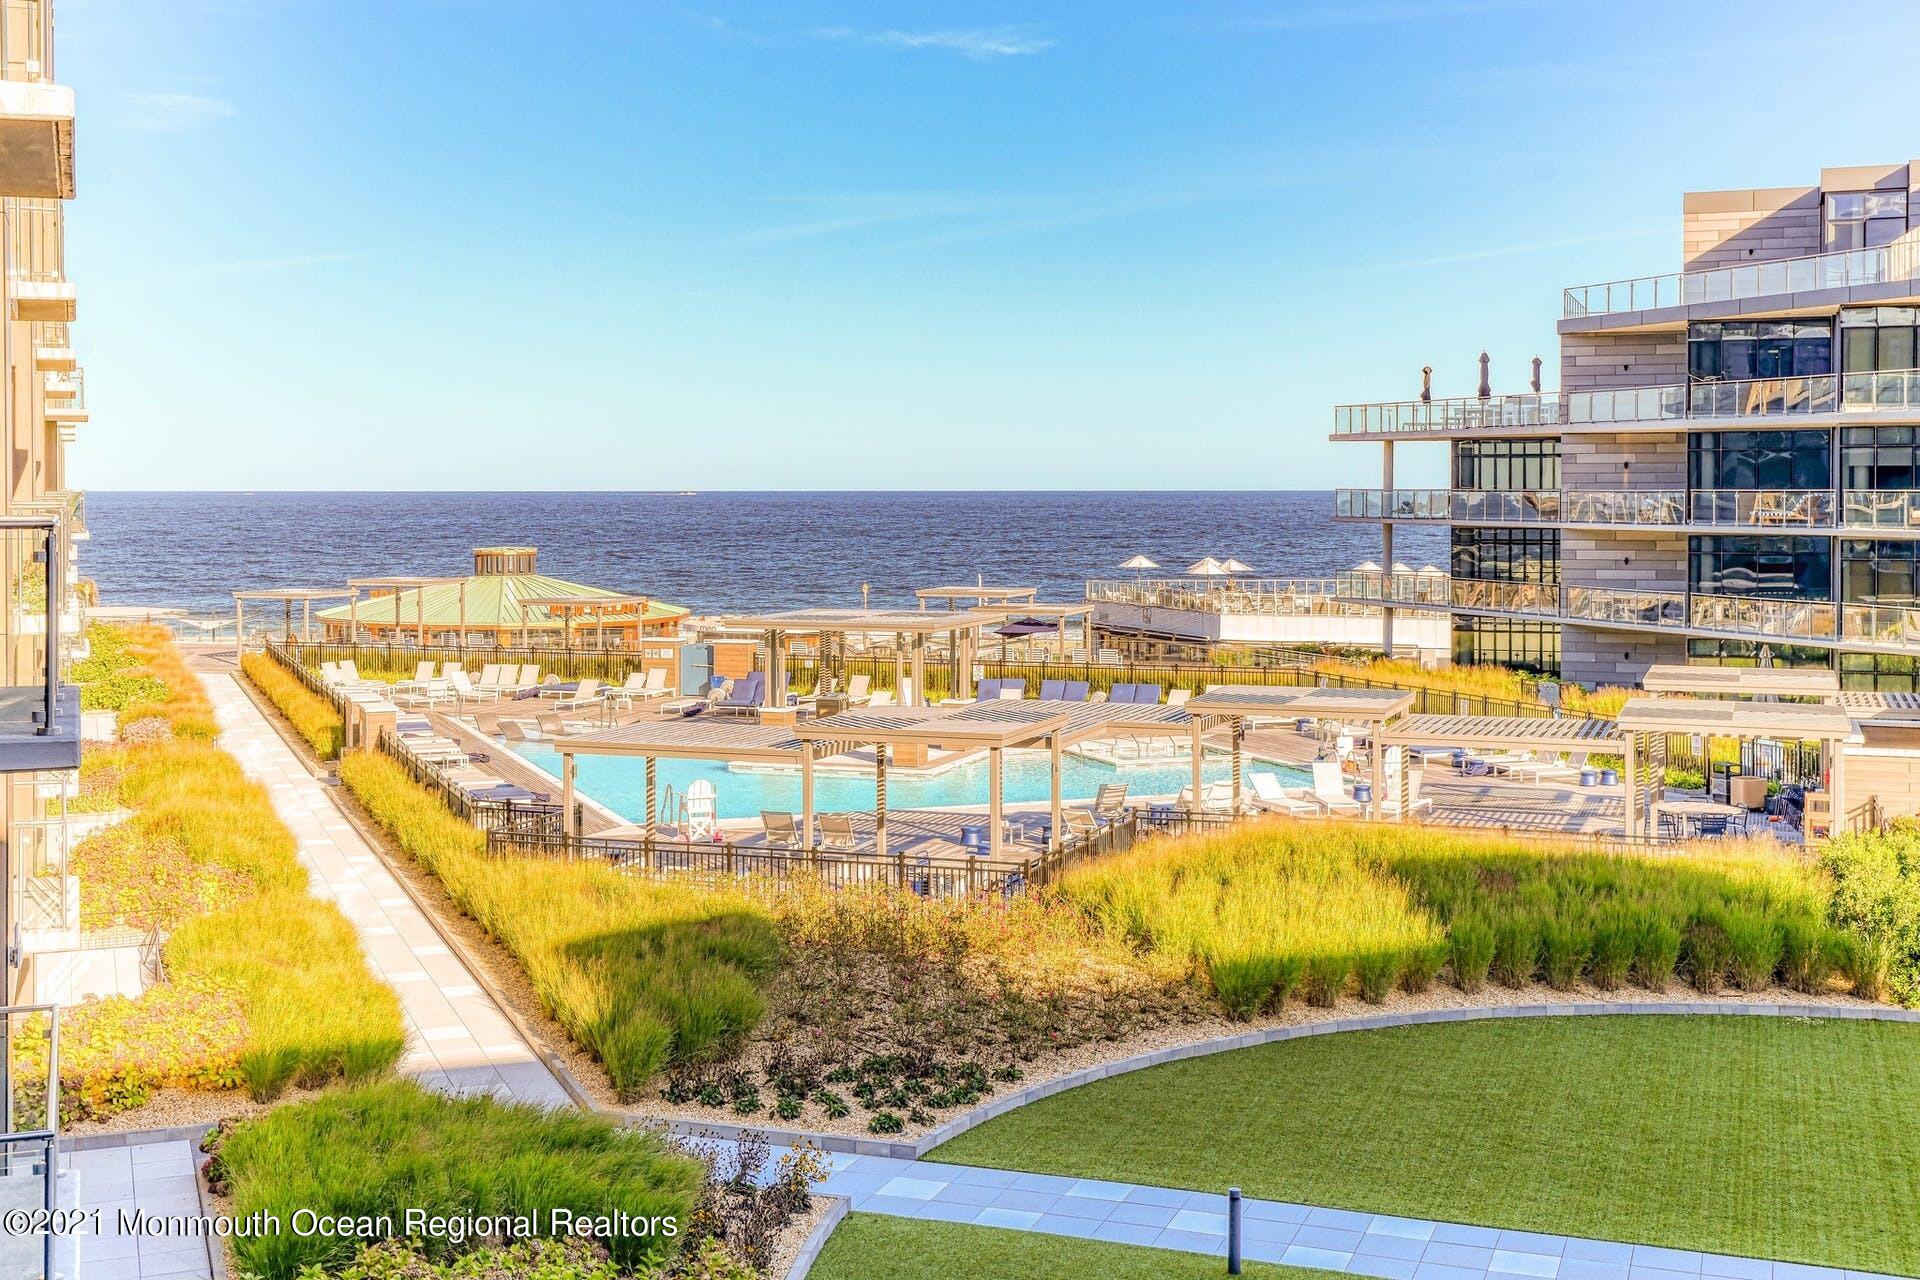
(1885, 264)
(30, 1115)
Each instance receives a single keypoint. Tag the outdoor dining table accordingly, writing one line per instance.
(1691, 812)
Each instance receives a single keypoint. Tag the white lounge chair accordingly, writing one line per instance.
(1270, 797)
(783, 829)
(1178, 697)
(465, 690)
(884, 698)
(641, 686)
(858, 690)
(1390, 803)
(586, 695)
(1329, 792)
(1546, 765)
(836, 833)
(1215, 797)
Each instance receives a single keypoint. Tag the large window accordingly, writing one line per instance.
(1863, 219)
(1506, 555)
(1879, 571)
(1878, 458)
(1732, 350)
(1876, 338)
(1880, 672)
(1762, 565)
(1530, 646)
(1747, 653)
(1760, 460)
(1506, 464)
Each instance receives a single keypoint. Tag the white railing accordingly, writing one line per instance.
(1883, 265)
(1272, 597)
(1881, 624)
(1670, 402)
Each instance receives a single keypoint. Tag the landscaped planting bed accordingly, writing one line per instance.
(867, 1011)
(312, 716)
(1779, 1138)
(372, 1154)
(265, 985)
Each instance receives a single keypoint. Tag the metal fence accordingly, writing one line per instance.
(488, 815)
(610, 665)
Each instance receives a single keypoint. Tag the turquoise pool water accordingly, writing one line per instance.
(620, 782)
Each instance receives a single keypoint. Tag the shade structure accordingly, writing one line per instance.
(1138, 563)
(1236, 566)
(1207, 568)
(1742, 682)
(1366, 566)
(1024, 627)
(1432, 571)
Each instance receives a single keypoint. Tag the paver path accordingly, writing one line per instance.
(1367, 1244)
(458, 1039)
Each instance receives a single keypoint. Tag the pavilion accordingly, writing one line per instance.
(504, 600)
(288, 597)
(1238, 703)
(910, 628)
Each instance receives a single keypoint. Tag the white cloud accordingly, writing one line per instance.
(981, 44)
(175, 112)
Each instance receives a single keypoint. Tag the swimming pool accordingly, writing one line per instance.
(619, 782)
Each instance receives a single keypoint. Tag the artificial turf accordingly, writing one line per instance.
(870, 1247)
(1789, 1139)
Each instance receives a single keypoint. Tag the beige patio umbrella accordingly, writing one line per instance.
(1207, 568)
(1139, 564)
(1237, 566)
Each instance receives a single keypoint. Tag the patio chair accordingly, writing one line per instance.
(448, 668)
(515, 731)
(745, 696)
(553, 726)
(1215, 797)
(1390, 803)
(1329, 792)
(1078, 822)
(988, 690)
(1098, 695)
(1110, 801)
(836, 833)
(422, 675)
(1146, 693)
(1076, 690)
(529, 677)
(884, 698)
(465, 690)
(859, 692)
(586, 695)
(1549, 766)
(330, 672)
(1270, 797)
(702, 810)
(1179, 697)
(1013, 691)
(1120, 692)
(783, 829)
(1053, 690)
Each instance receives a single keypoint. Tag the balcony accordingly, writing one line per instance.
(39, 716)
(69, 506)
(36, 115)
(52, 348)
(1774, 509)
(66, 396)
(1842, 395)
(30, 1139)
(1464, 506)
(36, 261)
(1894, 265)
(1626, 608)
(1626, 506)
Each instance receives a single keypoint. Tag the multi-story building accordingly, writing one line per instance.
(1729, 472)
(42, 517)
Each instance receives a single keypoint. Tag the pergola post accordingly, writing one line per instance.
(566, 795)
(806, 798)
(996, 777)
(1632, 763)
(419, 614)
(286, 625)
(353, 617)
(463, 613)
(1199, 785)
(899, 669)
(775, 694)
(239, 628)
(880, 804)
(1053, 792)
(919, 669)
(1377, 763)
(1837, 784)
(653, 808)
(1239, 741)
(306, 621)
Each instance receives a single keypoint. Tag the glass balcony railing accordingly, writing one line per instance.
(67, 390)
(1541, 598)
(1628, 506)
(1880, 508)
(1886, 264)
(1742, 399)
(1765, 508)
(1400, 504)
(29, 1133)
(1506, 506)
(1761, 616)
(1639, 608)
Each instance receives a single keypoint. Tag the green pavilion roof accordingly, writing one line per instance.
(493, 600)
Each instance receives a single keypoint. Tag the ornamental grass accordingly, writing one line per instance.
(312, 716)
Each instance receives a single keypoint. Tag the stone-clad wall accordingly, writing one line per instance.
(1592, 361)
(1628, 561)
(1727, 228)
(1597, 461)
(1593, 657)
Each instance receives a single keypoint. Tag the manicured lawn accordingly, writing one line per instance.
(1777, 1138)
(869, 1246)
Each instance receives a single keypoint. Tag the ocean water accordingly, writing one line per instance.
(713, 551)
(619, 782)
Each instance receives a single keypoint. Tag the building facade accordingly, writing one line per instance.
(42, 521)
(1729, 472)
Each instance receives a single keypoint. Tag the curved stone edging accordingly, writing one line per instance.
(838, 1207)
(918, 1148)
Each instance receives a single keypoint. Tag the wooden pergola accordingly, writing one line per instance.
(992, 727)
(1057, 613)
(1828, 723)
(910, 629)
(997, 597)
(1236, 703)
(288, 597)
(396, 586)
(596, 607)
(1742, 682)
(1507, 733)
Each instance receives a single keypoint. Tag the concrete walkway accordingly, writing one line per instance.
(458, 1040)
(1366, 1244)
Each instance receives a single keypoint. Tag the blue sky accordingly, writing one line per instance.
(450, 244)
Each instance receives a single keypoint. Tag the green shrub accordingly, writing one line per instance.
(1656, 951)
(1324, 979)
(1807, 955)
(1877, 894)
(1614, 939)
(1516, 951)
(312, 716)
(389, 1147)
(1708, 953)
(1472, 953)
(1754, 943)
(1377, 973)
(1565, 945)
(1421, 963)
